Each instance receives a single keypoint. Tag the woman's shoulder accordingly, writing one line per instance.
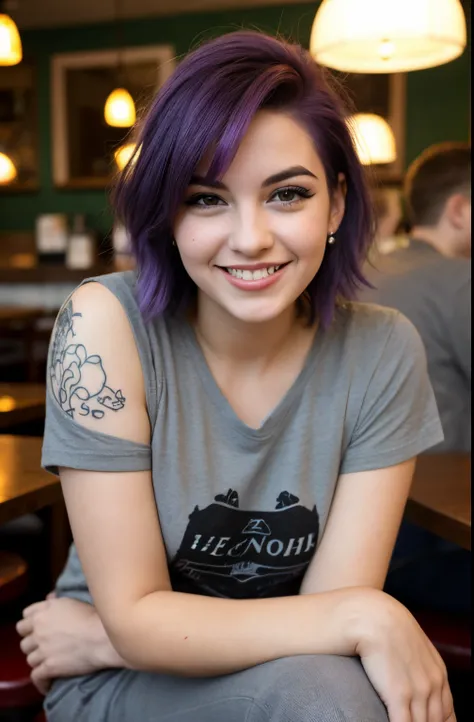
(368, 327)
(122, 284)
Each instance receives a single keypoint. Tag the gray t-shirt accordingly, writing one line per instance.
(243, 510)
(434, 292)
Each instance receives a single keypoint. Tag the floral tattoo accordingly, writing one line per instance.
(78, 381)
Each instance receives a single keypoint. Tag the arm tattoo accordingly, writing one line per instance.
(78, 381)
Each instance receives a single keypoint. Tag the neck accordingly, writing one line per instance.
(436, 238)
(228, 338)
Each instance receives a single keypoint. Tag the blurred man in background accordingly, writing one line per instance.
(429, 281)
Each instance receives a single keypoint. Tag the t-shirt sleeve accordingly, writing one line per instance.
(66, 443)
(398, 416)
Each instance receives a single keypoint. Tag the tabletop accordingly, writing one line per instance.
(440, 497)
(21, 403)
(24, 486)
(20, 313)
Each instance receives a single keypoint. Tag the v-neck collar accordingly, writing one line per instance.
(229, 416)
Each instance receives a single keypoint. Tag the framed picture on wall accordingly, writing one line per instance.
(384, 95)
(84, 145)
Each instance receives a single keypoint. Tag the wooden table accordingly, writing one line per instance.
(26, 488)
(440, 498)
(21, 403)
(25, 314)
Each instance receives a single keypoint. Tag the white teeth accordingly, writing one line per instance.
(252, 275)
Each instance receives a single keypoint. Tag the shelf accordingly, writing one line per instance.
(49, 274)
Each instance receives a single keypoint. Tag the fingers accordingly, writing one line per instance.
(33, 609)
(399, 711)
(41, 680)
(36, 658)
(28, 644)
(419, 709)
(24, 627)
(448, 704)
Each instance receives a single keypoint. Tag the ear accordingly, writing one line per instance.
(338, 203)
(456, 210)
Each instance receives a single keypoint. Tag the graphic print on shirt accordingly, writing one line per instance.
(227, 551)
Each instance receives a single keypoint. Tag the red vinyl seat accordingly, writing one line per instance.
(16, 688)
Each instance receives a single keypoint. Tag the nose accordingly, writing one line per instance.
(251, 235)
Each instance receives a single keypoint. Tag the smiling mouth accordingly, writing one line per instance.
(257, 275)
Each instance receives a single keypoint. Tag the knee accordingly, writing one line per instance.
(318, 688)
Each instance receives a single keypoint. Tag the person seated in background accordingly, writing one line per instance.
(390, 231)
(429, 281)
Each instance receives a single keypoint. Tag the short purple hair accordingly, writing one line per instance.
(208, 104)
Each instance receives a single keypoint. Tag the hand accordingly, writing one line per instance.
(64, 638)
(402, 664)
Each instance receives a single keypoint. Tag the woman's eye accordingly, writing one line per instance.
(287, 196)
(291, 195)
(204, 200)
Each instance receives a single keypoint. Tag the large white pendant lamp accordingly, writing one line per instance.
(374, 139)
(387, 36)
(11, 51)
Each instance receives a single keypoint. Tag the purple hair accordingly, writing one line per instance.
(208, 103)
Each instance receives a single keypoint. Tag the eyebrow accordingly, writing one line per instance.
(283, 175)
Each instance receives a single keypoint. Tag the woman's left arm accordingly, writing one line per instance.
(361, 530)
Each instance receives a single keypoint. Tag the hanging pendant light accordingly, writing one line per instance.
(11, 51)
(374, 138)
(123, 154)
(8, 171)
(387, 36)
(119, 109)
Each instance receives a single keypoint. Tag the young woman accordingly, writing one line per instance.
(235, 438)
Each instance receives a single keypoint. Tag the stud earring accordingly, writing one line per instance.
(331, 239)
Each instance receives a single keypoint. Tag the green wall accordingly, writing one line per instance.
(437, 107)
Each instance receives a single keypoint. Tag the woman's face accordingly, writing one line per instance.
(253, 242)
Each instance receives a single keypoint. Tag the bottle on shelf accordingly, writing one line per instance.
(81, 245)
(51, 238)
(123, 258)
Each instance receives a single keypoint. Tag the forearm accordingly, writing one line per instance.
(195, 635)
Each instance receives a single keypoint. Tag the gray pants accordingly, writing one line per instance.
(314, 688)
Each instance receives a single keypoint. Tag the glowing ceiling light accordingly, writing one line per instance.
(374, 139)
(11, 51)
(387, 36)
(8, 171)
(123, 154)
(119, 109)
